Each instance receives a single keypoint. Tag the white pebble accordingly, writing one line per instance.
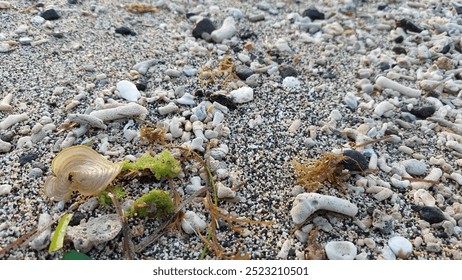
(131, 110)
(434, 175)
(175, 128)
(128, 90)
(42, 240)
(143, 67)
(12, 120)
(454, 145)
(351, 100)
(285, 248)
(194, 186)
(384, 82)
(295, 125)
(186, 99)
(226, 31)
(306, 204)
(385, 193)
(454, 176)
(414, 167)
(340, 250)
(400, 246)
(218, 117)
(383, 107)
(242, 95)
(169, 108)
(5, 5)
(4, 146)
(291, 83)
(5, 103)
(399, 183)
(87, 120)
(192, 223)
(422, 196)
(5, 189)
(224, 191)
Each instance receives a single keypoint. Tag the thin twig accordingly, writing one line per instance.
(128, 247)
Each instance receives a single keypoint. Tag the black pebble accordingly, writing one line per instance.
(287, 71)
(125, 31)
(141, 86)
(446, 49)
(291, 252)
(432, 215)
(243, 72)
(313, 14)
(246, 34)
(223, 100)
(203, 26)
(382, 7)
(354, 161)
(77, 217)
(27, 157)
(188, 15)
(384, 65)
(50, 14)
(329, 75)
(399, 50)
(408, 25)
(72, 1)
(399, 39)
(423, 112)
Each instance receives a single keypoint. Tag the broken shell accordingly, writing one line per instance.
(79, 168)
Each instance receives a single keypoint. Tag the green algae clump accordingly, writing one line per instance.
(161, 165)
(156, 203)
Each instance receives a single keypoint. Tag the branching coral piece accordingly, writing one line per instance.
(162, 165)
(79, 168)
(156, 203)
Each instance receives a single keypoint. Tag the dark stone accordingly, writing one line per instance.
(399, 50)
(50, 14)
(383, 65)
(58, 35)
(423, 112)
(72, 2)
(446, 49)
(313, 14)
(199, 93)
(329, 75)
(7, 136)
(203, 26)
(188, 15)
(27, 157)
(457, 7)
(287, 71)
(382, 7)
(291, 252)
(223, 100)
(77, 217)
(399, 39)
(243, 72)
(408, 25)
(432, 215)
(141, 86)
(245, 34)
(354, 161)
(125, 31)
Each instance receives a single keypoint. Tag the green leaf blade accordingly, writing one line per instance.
(60, 232)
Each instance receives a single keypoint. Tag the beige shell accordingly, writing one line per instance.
(79, 168)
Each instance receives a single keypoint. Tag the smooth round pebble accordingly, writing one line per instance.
(400, 246)
(415, 167)
(128, 90)
(291, 83)
(340, 250)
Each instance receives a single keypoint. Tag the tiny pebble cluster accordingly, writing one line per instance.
(252, 85)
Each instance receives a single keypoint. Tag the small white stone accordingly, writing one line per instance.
(143, 67)
(131, 110)
(128, 90)
(242, 95)
(5, 189)
(383, 82)
(400, 246)
(383, 107)
(43, 239)
(13, 119)
(422, 196)
(291, 83)
(414, 167)
(226, 31)
(219, 152)
(340, 250)
(5, 5)
(186, 99)
(37, 20)
(175, 128)
(351, 100)
(192, 223)
(284, 252)
(169, 108)
(434, 175)
(5, 147)
(194, 186)
(295, 125)
(224, 191)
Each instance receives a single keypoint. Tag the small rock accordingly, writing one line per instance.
(284, 252)
(173, 73)
(5, 5)
(382, 222)
(128, 90)
(408, 25)
(340, 250)
(224, 192)
(26, 158)
(37, 20)
(223, 100)
(400, 246)
(125, 31)
(50, 14)
(243, 72)
(77, 217)
(192, 223)
(415, 167)
(291, 83)
(432, 215)
(43, 239)
(226, 31)
(190, 71)
(5, 189)
(313, 14)
(256, 17)
(287, 71)
(383, 107)
(141, 85)
(354, 161)
(203, 26)
(242, 95)
(423, 112)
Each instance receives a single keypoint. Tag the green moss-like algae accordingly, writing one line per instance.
(162, 165)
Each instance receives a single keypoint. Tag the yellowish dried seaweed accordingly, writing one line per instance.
(141, 8)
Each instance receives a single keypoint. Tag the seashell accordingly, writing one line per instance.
(79, 168)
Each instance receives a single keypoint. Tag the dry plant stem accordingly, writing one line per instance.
(372, 141)
(158, 233)
(23, 240)
(420, 180)
(128, 247)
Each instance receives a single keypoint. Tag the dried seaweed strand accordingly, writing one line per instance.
(128, 247)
